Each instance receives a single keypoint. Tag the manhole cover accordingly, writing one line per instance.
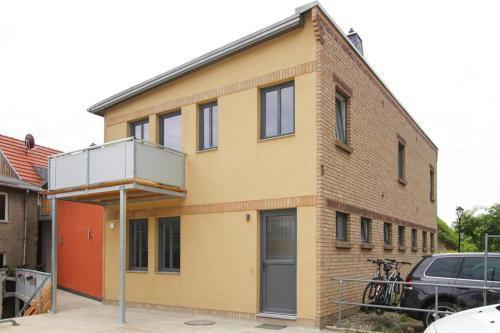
(271, 326)
(199, 322)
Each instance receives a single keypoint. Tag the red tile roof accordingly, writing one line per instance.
(23, 161)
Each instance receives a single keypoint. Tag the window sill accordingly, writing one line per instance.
(414, 248)
(402, 181)
(424, 249)
(366, 246)
(388, 247)
(136, 271)
(276, 137)
(207, 150)
(342, 244)
(345, 147)
(168, 272)
(402, 248)
(4, 222)
(433, 249)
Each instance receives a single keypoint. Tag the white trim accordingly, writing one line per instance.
(6, 220)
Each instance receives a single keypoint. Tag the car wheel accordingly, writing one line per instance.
(430, 317)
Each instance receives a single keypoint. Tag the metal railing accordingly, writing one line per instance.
(341, 302)
(29, 284)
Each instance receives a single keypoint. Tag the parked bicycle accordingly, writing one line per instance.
(383, 293)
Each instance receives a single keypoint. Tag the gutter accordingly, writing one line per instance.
(26, 194)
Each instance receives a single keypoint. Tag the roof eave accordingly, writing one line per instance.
(272, 31)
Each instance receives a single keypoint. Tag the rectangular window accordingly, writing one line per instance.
(432, 242)
(140, 130)
(473, 269)
(366, 225)
(138, 245)
(208, 126)
(341, 226)
(169, 244)
(277, 110)
(424, 240)
(171, 131)
(401, 160)
(341, 118)
(3, 260)
(414, 238)
(387, 234)
(432, 181)
(401, 235)
(4, 207)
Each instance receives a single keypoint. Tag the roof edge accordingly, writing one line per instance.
(19, 184)
(269, 32)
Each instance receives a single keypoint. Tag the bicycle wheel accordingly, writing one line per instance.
(397, 292)
(381, 291)
(369, 296)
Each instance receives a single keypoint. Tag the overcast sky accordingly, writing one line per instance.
(440, 58)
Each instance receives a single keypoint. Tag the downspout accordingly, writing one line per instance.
(25, 225)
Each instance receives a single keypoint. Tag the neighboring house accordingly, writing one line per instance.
(299, 165)
(25, 221)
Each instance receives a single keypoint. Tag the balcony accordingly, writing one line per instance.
(97, 174)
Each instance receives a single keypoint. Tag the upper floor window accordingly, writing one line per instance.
(341, 118)
(401, 160)
(387, 234)
(341, 226)
(169, 244)
(424, 240)
(4, 207)
(433, 186)
(366, 225)
(278, 110)
(138, 245)
(140, 130)
(208, 126)
(171, 131)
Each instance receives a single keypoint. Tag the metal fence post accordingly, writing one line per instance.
(436, 302)
(340, 304)
(485, 268)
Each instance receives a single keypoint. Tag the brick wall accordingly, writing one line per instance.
(12, 232)
(361, 178)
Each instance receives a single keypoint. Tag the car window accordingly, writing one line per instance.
(446, 267)
(473, 269)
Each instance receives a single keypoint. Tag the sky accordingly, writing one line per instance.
(441, 59)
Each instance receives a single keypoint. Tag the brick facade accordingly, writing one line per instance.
(361, 178)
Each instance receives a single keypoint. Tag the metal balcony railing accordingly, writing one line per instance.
(126, 159)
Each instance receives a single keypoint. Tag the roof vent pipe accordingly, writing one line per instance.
(355, 40)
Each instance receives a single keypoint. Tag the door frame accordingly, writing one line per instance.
(262, 247)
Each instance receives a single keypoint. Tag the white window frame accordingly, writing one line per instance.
(6, 208)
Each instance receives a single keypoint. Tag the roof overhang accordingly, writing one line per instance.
(18, 184)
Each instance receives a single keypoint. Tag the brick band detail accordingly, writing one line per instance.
(283, 74)
(266, 204)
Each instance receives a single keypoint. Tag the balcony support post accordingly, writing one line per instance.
(53, 263)
(123, 237)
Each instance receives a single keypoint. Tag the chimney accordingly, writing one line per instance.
(355, 40)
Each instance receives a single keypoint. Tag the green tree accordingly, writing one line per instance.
(446, 235)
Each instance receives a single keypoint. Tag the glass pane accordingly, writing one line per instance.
(138, 131)
(279, 237)
(206, 128)
(3, 208)
(365, 230)
(271, 113)
(287, 112)
(176, 244)
(387, 234)
(401, 235)
(341, 226)
(172, 132)
(144, 244)
(145, 131)
(340, 120)
(473, 269)
(215, 126)
(444, 267)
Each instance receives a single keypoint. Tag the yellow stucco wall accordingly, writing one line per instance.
(220, 252)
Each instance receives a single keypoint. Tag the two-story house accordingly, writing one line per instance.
(259, 171)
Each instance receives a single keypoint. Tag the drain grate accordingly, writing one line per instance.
(199, 322)
(271, 327)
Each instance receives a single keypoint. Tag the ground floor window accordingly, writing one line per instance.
(4, 204)
(138, 245)
(169, 244)
(387, 234)
(401, 235)
(3, 260)
(341, 226)
(365, 229)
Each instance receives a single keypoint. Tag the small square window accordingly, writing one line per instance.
(366, 225)
(208, 126)
(387, 234)
(401, 235)
(140, 130)
(278, 110)
(341, 118)
(341, 226)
